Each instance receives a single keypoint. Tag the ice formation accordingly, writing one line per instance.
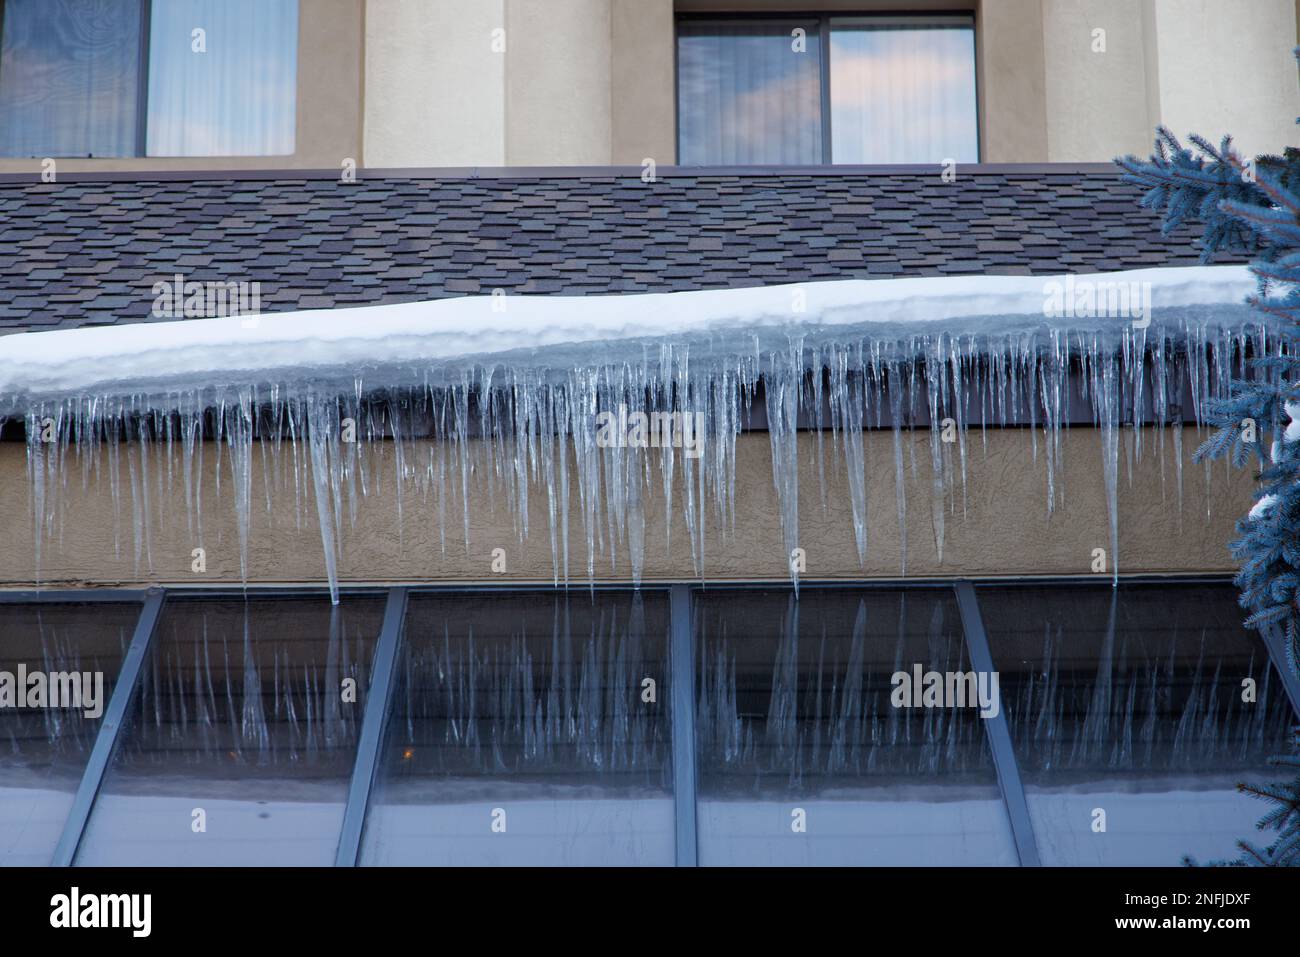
(510, 388)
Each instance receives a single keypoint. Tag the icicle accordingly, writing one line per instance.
(784, 386)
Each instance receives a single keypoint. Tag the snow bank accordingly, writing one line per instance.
(563, 331)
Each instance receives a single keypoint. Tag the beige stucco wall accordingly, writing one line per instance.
(558, 83)
(1226, 66)
(1204, 66)
(1005, 529)
(328, 128)
(1096, 100)
(435, 88)
(580, 82)
(643, 63)
(1010, 67)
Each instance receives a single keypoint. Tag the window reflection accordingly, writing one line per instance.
(243, 715)
(207, 77)
(43, 751)
(69, 77)
(237, 98)
(749, 92)
(1129, 701)
(795, 715)
(878, 89)
(524, 732)
(902, 93)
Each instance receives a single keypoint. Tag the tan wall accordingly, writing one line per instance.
(1096, 100)
(558, 83)
(581, 82)
(1197, 66)
(1012, 98)
(435, 89)
(643, 63)
(1005, 529)
(1226, 66)
(329, 112)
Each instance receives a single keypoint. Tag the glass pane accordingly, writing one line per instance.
(797, 729)
(523, 732)
(236, 98)
(749, 92)
(1129, 701)
(241, 741)
(43, 749)
(903, 93)
(69, 77)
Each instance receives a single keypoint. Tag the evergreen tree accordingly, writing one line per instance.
(1283, 817)
(1252, 208)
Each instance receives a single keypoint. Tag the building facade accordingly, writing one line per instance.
(524, 83)
(472, 228)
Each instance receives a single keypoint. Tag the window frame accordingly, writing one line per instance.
(142, 93)
(825, 20)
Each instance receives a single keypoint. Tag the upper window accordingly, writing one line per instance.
(804, 91)
(148, 77)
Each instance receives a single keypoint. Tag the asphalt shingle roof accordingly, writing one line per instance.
(88, 252)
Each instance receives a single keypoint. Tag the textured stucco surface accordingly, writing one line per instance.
(557, 91)
(1226, 66)
(1005, 528)
(643, 61)
(1097, 98)
(435, 88)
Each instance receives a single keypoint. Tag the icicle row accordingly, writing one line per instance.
(501, 432)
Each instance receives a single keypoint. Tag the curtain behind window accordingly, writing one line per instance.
(746, 96)
(236, 99)
(903, 94)
(69, 77)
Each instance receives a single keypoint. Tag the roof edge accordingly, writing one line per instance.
(560, 172)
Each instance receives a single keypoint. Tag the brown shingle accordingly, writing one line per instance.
(81, 253)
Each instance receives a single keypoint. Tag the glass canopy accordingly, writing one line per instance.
(1063, 722)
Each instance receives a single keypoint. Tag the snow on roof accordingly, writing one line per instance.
(423, 342)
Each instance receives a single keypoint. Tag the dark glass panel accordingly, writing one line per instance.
(43, 750)
(1129, 702)
(795, 715)
(69, 77)
(522, 733)
(245, 722)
